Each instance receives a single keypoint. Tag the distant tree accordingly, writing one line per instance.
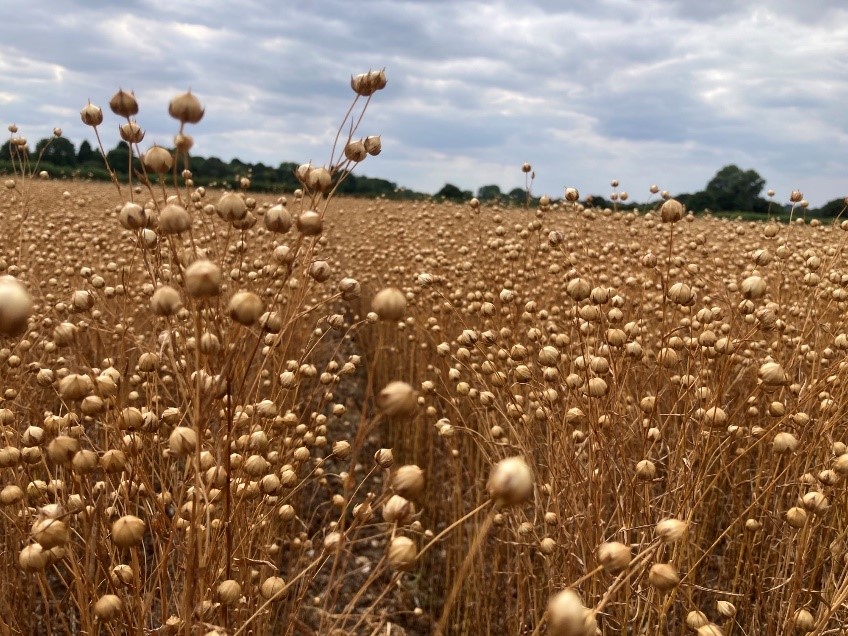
(700, 201)
(59, 151)
(833, 208)
(87, 154)
(518, 195)
(450, 191)
(489, 192)
(734, 189)
(5, 151)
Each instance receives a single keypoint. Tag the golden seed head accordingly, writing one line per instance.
(663, 576)
(131, 132)
(272, 587)
(614, 556)
(108, 607)
(50, 533)
(157, 159)
(186, 108)
(511, 481)
(726, 609)
(402, 554)
(572, 195)
(182, 441)
(203, 279)
(124, 104)
(671, 530)
(408, 481)
(245, 308)
(91, 115)
(384, 458)
(128, 531)
(567, 616)
(397, 399)
(671, 211)
(15, 307)
(166, 301)
(228, 592)
(174, 219)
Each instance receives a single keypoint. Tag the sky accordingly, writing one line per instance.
(647, 92)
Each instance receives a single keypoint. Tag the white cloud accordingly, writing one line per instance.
(664, 91)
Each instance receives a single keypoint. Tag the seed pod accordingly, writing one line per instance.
(397, 399)
(309, 223)
(131, 132)
(33, 558)
(384, 458)
(15, 307)
(726, 609)
(772, 374)
(123, 104)
(75, 387)
(165, 301)
(373, 145)
(614, 556)
(398, 510)
(278, 219)
(402, 554)
(319, 180)
(228, 592)
(572, 195)
(128, 531)
(182, 441)
(91, 115)
(796, 517)
(231, 207)
(108, 607)
(203, 279)
(157, 159)
(132, 216)
(50, 533)
(349, 288)
(803, 620)
(753, 287)
(186, 108)
(510, 482)
(671, 530)
(174, 219)
(663, 576)
(408, 481)
(389, 304)
(671, 211)
(272, 587)
(567, 616)
(785, 443)
(62, 449)
(245, 308)
(10, 495)
(355, 151)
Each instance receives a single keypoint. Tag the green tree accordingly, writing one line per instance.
(734, 189)
(87, 154)
(833, 208)
(59, 151)
(489, 192)
(450, 191)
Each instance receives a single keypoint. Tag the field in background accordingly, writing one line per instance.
(195, 463)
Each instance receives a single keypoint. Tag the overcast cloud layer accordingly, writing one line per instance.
(645, 91)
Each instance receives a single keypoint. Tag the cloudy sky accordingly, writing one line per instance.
(645, 91)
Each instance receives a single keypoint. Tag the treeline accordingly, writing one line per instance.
(730, 190)
(61, 159)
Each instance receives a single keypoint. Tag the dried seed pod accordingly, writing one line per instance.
(231, 207)
(166, 301)
(663, 576)
(803, 621)
(108, 607)
(319, 180)
(91, 115)
(309, 223)
(278, 219)
(785, 443)
(228, 592)
(398, 510)
(614, 556)
(355, 151)
(671, 530)
(245, 308)
(158, 160)
(402, 554)
(567, 616)
(726, 609)
(132, 216)
(186, 108)
(389, 304)
(174, 219)
(510, 482)
(398, 399)
(384, 458)
(75, 387)
(124, 104)
(15, 307)
(203, 279)
(373, 145)
(182, 441)
(408, 481)
(128, 531)
(50, 533)
(131, 132)
(272, 588)
(671, 211)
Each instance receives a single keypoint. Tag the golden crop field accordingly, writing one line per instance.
(236, 413)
